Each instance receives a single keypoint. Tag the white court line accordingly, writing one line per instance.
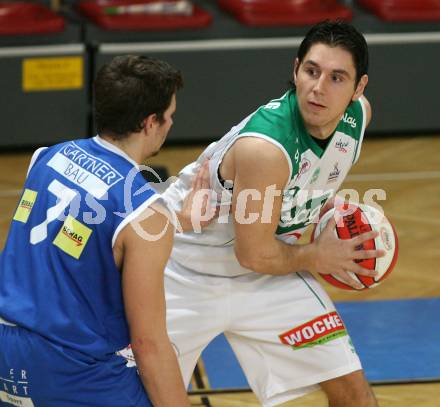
(395, 176)
(418, 219)
(6, 380)
(10, 193)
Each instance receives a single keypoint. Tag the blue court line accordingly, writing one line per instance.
(397, 341)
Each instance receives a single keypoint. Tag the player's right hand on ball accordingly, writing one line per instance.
(337, 256)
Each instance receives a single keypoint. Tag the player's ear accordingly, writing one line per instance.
(295, 69)
(149, 122)
(362, 84)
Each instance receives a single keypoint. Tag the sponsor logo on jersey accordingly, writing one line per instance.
(342, 145)
(272, 105)
(94, 175)
(72, 237)
(315, 175)
(350, 120)
(334, 174)
(318, 331)
(25, 206)
(304, 166)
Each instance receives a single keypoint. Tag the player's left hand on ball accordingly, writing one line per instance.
(336, 256)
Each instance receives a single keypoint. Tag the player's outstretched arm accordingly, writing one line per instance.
(146, 246)
(259, 166)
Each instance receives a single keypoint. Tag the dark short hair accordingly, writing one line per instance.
(128, 89)
(338, 34)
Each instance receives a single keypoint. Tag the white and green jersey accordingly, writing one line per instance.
(315, 176)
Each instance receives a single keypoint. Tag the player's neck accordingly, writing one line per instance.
(130, 145)
(322, 132)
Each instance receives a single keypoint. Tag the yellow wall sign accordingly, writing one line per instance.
(72, 237)
(25, 206)
(52, 73)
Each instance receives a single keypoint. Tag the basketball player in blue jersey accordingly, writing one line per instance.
(244, 276)
(81, 274)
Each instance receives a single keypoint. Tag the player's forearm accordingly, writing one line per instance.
(278, 258)
(160, 374)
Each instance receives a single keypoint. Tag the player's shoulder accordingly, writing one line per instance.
(271, 118)
(355, 112)
(256, 148)
(260, 158)
(354, 120)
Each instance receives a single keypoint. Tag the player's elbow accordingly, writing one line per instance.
(256, 260)
(148, 346)
(142, 346)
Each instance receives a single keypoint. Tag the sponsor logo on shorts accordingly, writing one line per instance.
(25, 206)
(14, 390)
(72, 237)
(127, 354)
(318, 331)
(11, 399)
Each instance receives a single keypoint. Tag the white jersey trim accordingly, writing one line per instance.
(34, 158)
(361, 137)
(276, 143)
(225, 150)
(134, 215)
(111, 147)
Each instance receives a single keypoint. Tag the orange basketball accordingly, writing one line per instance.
(353, 221)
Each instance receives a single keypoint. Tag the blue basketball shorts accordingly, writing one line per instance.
(35, 372)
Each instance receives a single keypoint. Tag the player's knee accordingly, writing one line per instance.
(351, 390)
(360, 396)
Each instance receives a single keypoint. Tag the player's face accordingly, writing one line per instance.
(325, 85)
(164, 127)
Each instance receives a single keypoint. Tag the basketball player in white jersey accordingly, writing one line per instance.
(243, 275)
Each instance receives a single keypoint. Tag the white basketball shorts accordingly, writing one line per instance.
(284, 330)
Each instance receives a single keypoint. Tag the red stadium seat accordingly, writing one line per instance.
(285, 12)
(17, 18)
(97, 12)
(404, 10)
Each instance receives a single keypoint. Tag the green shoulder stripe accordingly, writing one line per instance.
(352, 122)
(275, 121)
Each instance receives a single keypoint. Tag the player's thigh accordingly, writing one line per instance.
(49, 375)
(196, 306)
(289, 338)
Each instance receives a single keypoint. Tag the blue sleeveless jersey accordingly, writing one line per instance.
(58, 277)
